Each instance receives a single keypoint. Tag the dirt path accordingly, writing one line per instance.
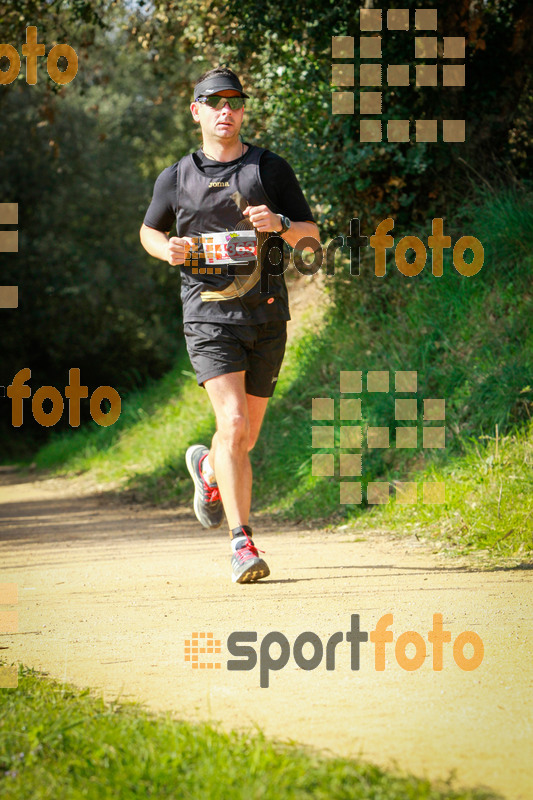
(109, 593)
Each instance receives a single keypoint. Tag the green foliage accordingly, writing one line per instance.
(506, 226)
(59, 742)
(144, 451)
(81, 160)
(284, 54)
(81, 165)
(16, 15)
(489, 501)
(469, 339)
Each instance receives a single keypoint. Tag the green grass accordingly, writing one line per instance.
(143, 452)
(489, 501)
(58, 743)
(470, 341)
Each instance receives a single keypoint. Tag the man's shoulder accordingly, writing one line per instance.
(276, 173)
(167, 175)
(171, 171)
(273, 163)
(270, 156)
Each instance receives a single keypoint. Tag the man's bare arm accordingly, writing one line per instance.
(158, 244)
(302, 230)
(267, 221)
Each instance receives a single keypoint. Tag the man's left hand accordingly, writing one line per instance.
(263, 219)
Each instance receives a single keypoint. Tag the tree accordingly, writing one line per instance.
(80, 160)
(284, 54)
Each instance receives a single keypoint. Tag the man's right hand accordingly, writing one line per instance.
(157, 243)
(178, 249)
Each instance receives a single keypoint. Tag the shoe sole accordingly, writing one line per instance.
(253, 573)
(198, 490)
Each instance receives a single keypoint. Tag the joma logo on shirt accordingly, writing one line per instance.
(217, 184)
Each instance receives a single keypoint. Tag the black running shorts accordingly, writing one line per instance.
(217, 349)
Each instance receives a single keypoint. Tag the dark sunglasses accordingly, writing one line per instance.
(218, 102)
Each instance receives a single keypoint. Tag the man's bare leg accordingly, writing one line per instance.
(239, 417)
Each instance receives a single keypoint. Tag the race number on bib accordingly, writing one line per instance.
(229, 247)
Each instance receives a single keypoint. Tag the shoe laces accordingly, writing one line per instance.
(248, 550)
(211, 491)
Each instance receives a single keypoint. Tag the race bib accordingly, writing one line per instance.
(229, 247)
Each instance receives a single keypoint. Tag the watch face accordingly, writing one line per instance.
(285, 221)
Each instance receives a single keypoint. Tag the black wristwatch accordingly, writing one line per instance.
(285, 223)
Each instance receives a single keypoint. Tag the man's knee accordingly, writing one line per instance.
(234, 429)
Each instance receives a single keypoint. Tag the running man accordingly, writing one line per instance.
(235, 303)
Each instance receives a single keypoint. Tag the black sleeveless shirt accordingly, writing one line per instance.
(205, 204)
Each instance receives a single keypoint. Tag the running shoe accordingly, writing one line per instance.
(207, 501)
(246, 563)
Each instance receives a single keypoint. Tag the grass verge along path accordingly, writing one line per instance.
(59, 742)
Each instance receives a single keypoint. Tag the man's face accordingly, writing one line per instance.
(224, 124)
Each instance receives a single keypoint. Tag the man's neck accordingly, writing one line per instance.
(223, 151)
